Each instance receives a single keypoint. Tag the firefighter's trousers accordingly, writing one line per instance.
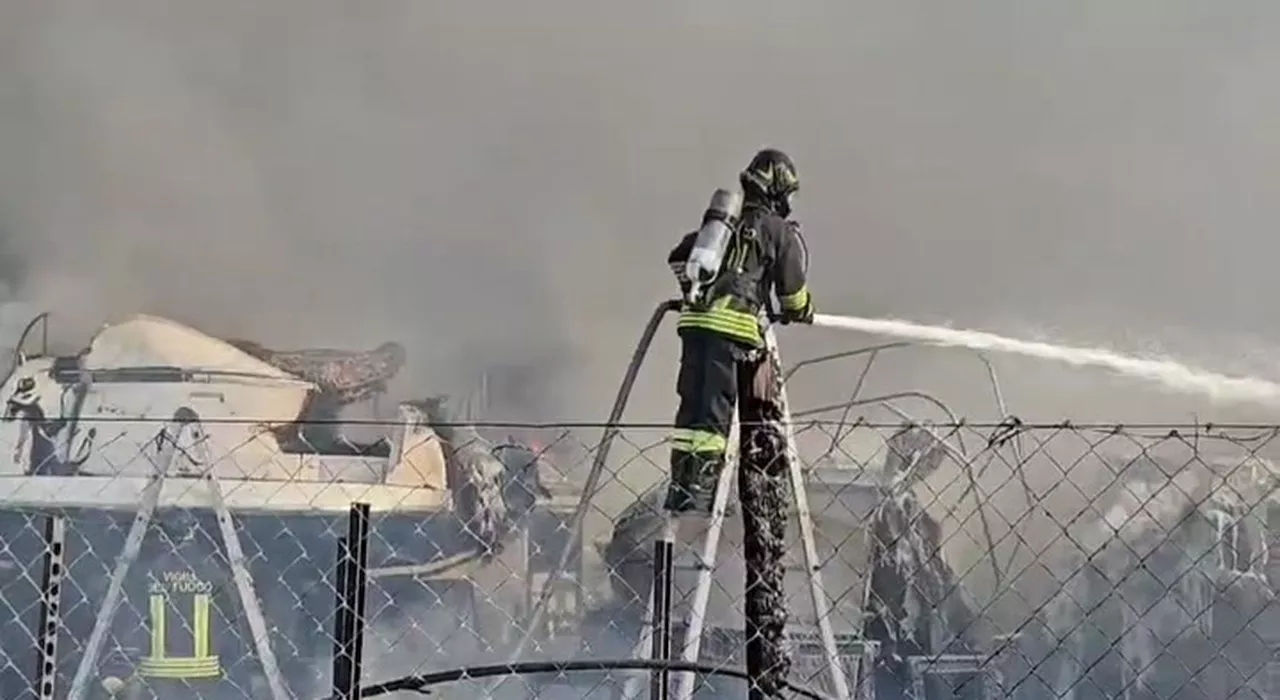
(714, 370)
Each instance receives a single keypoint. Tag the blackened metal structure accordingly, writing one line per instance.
(352, 575)
(55, 537)
(769, 456)
(663, 565)
(768, 451)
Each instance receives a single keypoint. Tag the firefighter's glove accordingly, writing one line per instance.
(801, 315)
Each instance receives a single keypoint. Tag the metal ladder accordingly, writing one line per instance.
(133, 548)
(683, 687)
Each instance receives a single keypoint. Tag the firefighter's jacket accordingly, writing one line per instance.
(766, 254)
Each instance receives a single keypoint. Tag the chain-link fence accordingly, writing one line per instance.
(197, 560)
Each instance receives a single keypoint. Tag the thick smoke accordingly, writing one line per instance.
(496, 185)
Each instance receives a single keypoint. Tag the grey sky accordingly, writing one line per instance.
(468, 177)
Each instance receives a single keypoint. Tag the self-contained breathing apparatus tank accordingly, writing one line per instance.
(707, 256)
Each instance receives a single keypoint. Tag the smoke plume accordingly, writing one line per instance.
(500, 184)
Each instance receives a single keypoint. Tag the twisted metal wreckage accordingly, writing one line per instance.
(913, 607)
(1165, 593)
(495, 486)
(1190, 582)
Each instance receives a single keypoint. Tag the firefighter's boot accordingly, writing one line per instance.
(693, 482)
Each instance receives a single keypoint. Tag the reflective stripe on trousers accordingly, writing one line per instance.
(698, 441)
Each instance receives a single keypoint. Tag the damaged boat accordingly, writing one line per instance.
(229, 454)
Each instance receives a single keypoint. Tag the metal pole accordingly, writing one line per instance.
(352, 584)
(663, 570)
(342, 630)
(55, 535)
(358, 546)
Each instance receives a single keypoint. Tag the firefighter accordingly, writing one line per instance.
(722, 336)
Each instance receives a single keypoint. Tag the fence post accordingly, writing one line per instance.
(352, 580)
(341, 625)
(50, 602)
(663, 570)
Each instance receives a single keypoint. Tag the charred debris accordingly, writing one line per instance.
(1158, 585)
